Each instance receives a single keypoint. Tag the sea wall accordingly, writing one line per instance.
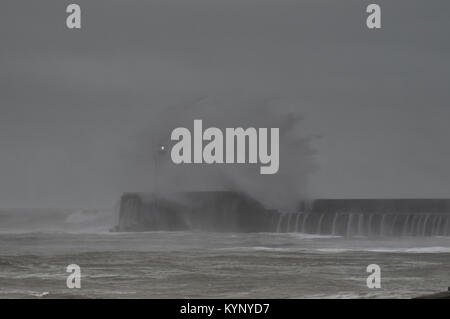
(236, 212)
(208, 211)
(370, 217)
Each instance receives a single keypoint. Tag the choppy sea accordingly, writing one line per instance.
(214, 265)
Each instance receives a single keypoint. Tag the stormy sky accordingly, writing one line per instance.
(75, 105)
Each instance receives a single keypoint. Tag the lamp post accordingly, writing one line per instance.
(160, 150)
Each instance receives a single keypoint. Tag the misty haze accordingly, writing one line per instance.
(359, 174)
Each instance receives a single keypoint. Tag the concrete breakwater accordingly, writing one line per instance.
(237, 212)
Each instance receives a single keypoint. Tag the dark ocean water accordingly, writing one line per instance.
(216, 265)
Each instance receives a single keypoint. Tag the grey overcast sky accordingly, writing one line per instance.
(71, 101)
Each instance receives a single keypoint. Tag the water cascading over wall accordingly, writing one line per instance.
(370, 217)
(236, 212)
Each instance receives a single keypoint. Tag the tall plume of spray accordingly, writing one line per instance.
(282, 190)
